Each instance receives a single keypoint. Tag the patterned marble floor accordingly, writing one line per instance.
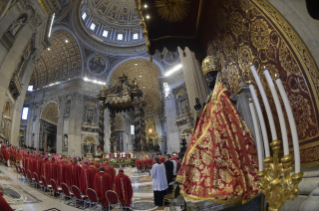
(20, 194)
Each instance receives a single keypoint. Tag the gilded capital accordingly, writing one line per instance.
(210, 64)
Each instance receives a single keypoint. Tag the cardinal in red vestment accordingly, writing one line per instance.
(43, 169)
(74, 173)
(220, 162)
(123, 188)
(102, 183)
(86, 177)
(6, 155)
(162, 159)
(141, 164)
(61, 173)
(51, 168)
(110, 170)
(136, 163)
(93, 168)
(4, 206)
(38, 166)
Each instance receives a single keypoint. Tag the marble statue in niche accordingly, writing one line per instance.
(67, 108)
(89, 116)
(90, 109)
(97, 65)
(17, 24)
(89, 148)
(65, 141)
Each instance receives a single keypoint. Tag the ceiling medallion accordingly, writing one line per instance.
(172, 10)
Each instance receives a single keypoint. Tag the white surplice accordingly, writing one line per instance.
(159, 177)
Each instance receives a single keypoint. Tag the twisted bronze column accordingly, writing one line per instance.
(112, 123)
(101, 125)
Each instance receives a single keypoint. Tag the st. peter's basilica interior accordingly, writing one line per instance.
(227, 92)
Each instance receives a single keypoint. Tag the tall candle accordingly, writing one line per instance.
(266, 103)
(292, 124)
(258, 140)
(279, 112)
(261, 120)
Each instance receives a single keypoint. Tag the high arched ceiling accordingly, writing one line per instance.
(50, 113)
(119, 12)
(147, 73)
(59, 62)
(115, 22)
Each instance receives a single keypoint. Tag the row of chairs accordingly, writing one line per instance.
(75, 192)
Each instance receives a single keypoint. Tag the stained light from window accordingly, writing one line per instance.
(132, 130)
(30, 88)
(25, 113)
(84, 16)
(105, 33)
(135, 36)
(92, 27)
(120, 37)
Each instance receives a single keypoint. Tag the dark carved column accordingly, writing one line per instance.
(112, 123)
(101, 124)
(142, 123)
(137, 118)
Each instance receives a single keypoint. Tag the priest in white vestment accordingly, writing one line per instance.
(160, 185)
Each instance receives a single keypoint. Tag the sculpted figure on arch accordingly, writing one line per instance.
(220, 163)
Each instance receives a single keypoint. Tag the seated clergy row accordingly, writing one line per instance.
(101, 179)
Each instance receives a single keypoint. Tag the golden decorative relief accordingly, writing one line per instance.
(147, 74)
(259, 33)
(244, 57)
(173, 10)
(44, 6)
(288, 61)
(236, 23)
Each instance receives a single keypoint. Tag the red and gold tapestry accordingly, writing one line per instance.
(220, 163)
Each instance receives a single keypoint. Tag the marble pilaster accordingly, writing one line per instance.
(194, 79)
(59, 138)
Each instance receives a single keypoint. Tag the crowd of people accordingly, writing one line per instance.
(163, 170)
(86, 174)
(82, 174)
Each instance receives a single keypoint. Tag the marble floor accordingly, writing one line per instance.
(19, 194)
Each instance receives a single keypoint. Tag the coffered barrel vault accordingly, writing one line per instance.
(59, 62)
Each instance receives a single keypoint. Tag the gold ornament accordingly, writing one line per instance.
(210, 64)
(172, 10)
(278, 189)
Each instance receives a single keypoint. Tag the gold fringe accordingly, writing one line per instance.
(221, 201)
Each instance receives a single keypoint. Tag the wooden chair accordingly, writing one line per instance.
(29, 175)
(66, 191)
(20, 171)
(77, 193)
(24, 173)
(38, 182)
(45, 184)
(112, 198)
(55, 188)
(17, 171)
(171, 196)
(93, 197)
